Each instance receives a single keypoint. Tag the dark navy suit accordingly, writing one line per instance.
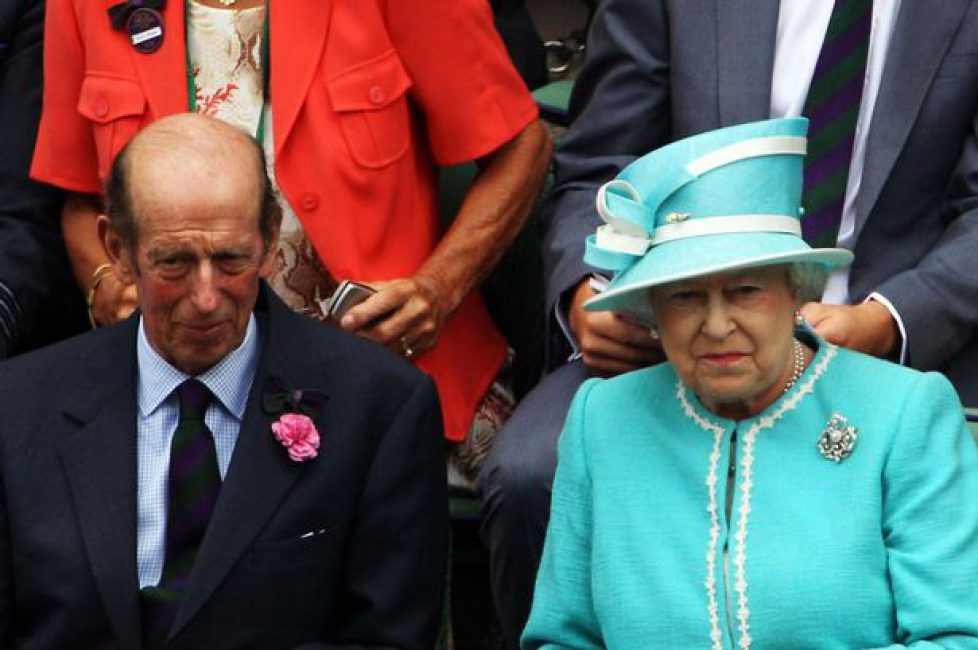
(345, 550)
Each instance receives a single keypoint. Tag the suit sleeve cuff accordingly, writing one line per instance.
(904, 358)
(560, 315)
(562, 307)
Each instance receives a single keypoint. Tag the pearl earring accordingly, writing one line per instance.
(653, 333)
(799, 319)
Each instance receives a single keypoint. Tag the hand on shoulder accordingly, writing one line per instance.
(868, 327)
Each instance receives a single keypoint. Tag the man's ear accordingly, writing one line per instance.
(117, 250)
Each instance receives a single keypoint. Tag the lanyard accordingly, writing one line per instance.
(266, 71)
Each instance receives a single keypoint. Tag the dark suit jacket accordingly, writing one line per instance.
(660, 70)
(39, 301)
(374, 576)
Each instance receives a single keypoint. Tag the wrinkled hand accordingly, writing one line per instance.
(610, 344)
(868, 327)
(113, 301)
(407, 312)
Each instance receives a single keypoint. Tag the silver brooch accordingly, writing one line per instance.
(676, 217)
(837, 439)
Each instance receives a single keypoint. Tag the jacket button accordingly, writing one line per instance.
(102, 108)
(309, 201)
(377, 95)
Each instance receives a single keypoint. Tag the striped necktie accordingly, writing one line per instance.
(193, 487)
(832, 107)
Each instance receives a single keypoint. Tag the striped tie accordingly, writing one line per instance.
(832, 108)
(193, 487)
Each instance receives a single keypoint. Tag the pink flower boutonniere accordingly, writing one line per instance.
(294, 427)
(298, 433)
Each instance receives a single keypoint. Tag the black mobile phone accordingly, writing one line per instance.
(347, 294)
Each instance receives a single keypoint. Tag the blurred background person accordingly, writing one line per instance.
(522, 40)
(39, 303)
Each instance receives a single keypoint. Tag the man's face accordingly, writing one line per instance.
(196, 264)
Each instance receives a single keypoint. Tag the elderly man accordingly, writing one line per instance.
(216, 471)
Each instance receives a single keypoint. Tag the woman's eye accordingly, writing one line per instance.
(680, 298)
(746, 291)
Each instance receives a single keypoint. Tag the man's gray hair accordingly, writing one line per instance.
(118, 187)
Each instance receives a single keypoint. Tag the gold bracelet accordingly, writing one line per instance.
(97, 276)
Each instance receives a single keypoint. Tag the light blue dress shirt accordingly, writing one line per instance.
(230, 382)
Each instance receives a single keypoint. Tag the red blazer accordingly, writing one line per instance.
(368, 96)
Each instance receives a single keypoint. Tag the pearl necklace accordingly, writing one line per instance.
(797, 368)
(798, 364)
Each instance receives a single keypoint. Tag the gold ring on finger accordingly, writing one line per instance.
(406, 347)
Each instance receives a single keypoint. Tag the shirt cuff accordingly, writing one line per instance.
(599, 283)
(903, 359)
(560, 314)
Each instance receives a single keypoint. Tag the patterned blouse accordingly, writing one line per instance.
(224, 45)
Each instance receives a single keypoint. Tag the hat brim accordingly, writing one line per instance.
(694, 257)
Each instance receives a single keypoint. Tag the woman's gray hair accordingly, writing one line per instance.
(807, 280)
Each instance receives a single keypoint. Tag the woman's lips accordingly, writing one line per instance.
(724, 358)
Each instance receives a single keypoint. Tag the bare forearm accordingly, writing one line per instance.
(492, 214)
(109, 298)
(408, 314)
(85, 251)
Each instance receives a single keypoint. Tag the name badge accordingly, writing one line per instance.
(145, 28)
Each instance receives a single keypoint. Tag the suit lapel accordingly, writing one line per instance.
(923, 33)
(305, 22)
(259, 476)
(100, 464)
(746, 32)
(163, 74)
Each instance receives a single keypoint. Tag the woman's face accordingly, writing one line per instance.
(729, 336)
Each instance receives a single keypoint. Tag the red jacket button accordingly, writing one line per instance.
(102, 108)
(309, 201)
(377, 95)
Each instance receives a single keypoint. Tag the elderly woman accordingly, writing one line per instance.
(762, 488)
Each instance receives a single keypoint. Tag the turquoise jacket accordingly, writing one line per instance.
(877, 550)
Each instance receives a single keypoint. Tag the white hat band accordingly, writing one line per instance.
(607, 238)
(725, 225)
(753, 148)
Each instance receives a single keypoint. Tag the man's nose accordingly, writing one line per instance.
(205, 294)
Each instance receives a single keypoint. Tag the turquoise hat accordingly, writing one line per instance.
(718, 201)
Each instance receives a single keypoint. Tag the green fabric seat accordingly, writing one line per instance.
(553, 100)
